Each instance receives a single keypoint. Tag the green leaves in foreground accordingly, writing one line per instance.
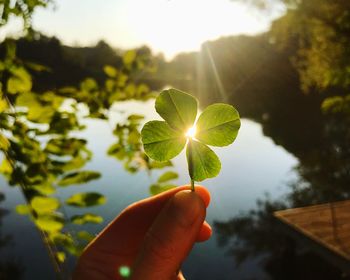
(218, 125)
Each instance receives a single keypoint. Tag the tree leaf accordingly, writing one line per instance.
(203, 163)
(4, 142)
(61, 256)
(44, 205)
(178, 108)
(157, 188)
(79, 178)
(49, 223)
(84, 235)
(129, 57)
(22, 209)
(86, 199)
(218, 125)
(160, 141)
(20, 81)
(110, 71)
(86, 218)
(167, 176)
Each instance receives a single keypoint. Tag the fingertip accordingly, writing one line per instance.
(204, 233)
(204, 194)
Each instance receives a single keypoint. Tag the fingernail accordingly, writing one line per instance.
(186, 208)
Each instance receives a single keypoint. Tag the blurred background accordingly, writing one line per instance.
(78, 80)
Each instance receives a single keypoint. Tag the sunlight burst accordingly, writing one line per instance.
(191, 132)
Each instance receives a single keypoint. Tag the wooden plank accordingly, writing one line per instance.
(326, 224)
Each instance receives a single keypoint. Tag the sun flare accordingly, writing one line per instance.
(191, 132)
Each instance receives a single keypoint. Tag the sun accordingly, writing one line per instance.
(191, 132)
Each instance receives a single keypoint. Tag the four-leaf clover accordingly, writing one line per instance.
(218, 125)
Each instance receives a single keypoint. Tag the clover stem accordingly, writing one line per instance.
(190, 162)
(192, 185)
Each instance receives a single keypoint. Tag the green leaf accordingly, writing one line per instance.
(129, 57)
(159, 165)
(45, 188)
(23, 209)
(135, 117)
(86, 218)
(167, 176)
(6, 167)
(160, 141)
(20, 81)
(86, 199)
(4, 142)
(178, 108)
(61, 256)
(79, 178)
(203, 163)
(3, 105)
(157, 188)
(84, 235)
(218, 125)
(49, 223)
(44, 205)
(110, 71)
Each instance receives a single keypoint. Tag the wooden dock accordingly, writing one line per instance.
(327, 225)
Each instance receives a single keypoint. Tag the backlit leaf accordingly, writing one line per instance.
(177, 108)
(86, 218)
(160, 141)
(3, 105)
(86, 199)
(49, 223)
(167, 176)
(79, 178)
(19, 82)
(157, 188)
(4, 143)
(84, 235)
(129, 57)
(43, 205)
(23, 209)
(202, 161)
(110, 71)
(218, 125)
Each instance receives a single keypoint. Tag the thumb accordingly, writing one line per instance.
(170, 238)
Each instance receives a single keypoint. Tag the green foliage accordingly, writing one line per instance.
(37, 122)
(23, 209)
(86, 199)
(167, 176)
(79, 177)
(337, 105)
(44, 205)
(218, 125)
(86, 218)
(49, 223)
(164, 183)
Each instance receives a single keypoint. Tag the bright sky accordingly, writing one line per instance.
(168, 26)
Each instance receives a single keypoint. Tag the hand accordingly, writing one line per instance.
(152, 237)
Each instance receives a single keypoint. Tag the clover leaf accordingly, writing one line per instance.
(218, 125)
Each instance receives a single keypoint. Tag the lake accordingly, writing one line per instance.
(253, 167)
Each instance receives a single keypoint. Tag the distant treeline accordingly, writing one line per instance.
(66, 65)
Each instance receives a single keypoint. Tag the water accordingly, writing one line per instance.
(252, 166)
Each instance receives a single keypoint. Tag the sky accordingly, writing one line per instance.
(167, 26)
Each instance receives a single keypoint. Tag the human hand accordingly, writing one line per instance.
(152, 237)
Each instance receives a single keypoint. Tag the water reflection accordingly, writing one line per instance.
(9, 269)
(324, 170)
